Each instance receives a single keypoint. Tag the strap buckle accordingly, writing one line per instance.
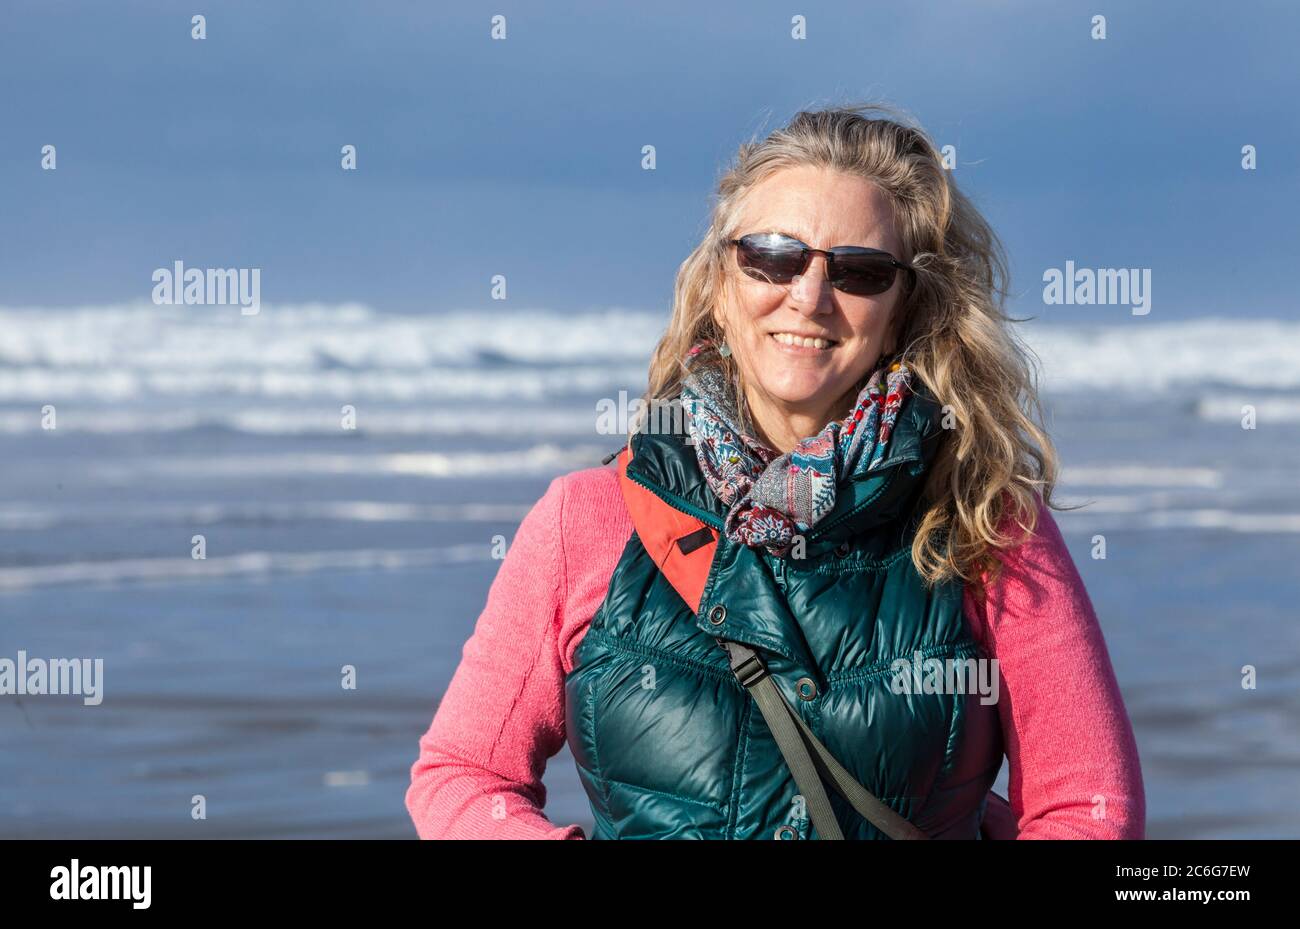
(750, 670)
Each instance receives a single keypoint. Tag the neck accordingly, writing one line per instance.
(782, 426)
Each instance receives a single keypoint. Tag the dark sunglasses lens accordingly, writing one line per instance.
(862, 275)
(774, 259)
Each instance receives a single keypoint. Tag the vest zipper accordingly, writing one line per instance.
(778, 571)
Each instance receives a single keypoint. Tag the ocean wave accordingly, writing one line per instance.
(1140, 475)
(316, 337)
(262, 512)
(303, 421)
(331, 349)
(1120, 517)
(1142, 355)
(1221, 407)
(40, 385)
(548, 458)
(246, 564)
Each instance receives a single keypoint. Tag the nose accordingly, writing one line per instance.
(810, 292)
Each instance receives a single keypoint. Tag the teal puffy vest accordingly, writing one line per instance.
(667, 742)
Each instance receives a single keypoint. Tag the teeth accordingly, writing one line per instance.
(789, 338)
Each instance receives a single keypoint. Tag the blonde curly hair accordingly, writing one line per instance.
(951, 329)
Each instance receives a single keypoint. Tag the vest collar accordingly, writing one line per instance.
(679, 520)
(665, 464)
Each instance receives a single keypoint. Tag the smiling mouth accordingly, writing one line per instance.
(799, 341)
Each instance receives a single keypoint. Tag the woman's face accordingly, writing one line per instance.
(822, 208)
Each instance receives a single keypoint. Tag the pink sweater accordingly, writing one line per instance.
(1074, 771)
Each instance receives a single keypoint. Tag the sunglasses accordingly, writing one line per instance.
(777, 259)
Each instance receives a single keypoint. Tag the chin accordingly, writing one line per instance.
(803, 391)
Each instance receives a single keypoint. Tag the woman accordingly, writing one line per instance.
(856, 495)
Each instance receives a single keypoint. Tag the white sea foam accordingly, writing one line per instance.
(288, 370)
(1142, 355)
(1230, 407)
(318, 420)
(246, 564)
(1139, 475)
(1107, 514)
(35, 517)
(37, 384)
(537, 459)
(317, 337)
(126, 341)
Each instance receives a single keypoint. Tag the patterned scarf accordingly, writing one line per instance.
(771, 497)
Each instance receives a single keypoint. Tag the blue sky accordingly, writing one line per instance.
(522, 157)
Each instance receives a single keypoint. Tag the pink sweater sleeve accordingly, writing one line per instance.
(1074, 769)
(479, 771)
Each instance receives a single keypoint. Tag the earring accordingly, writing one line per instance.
(724, 350)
